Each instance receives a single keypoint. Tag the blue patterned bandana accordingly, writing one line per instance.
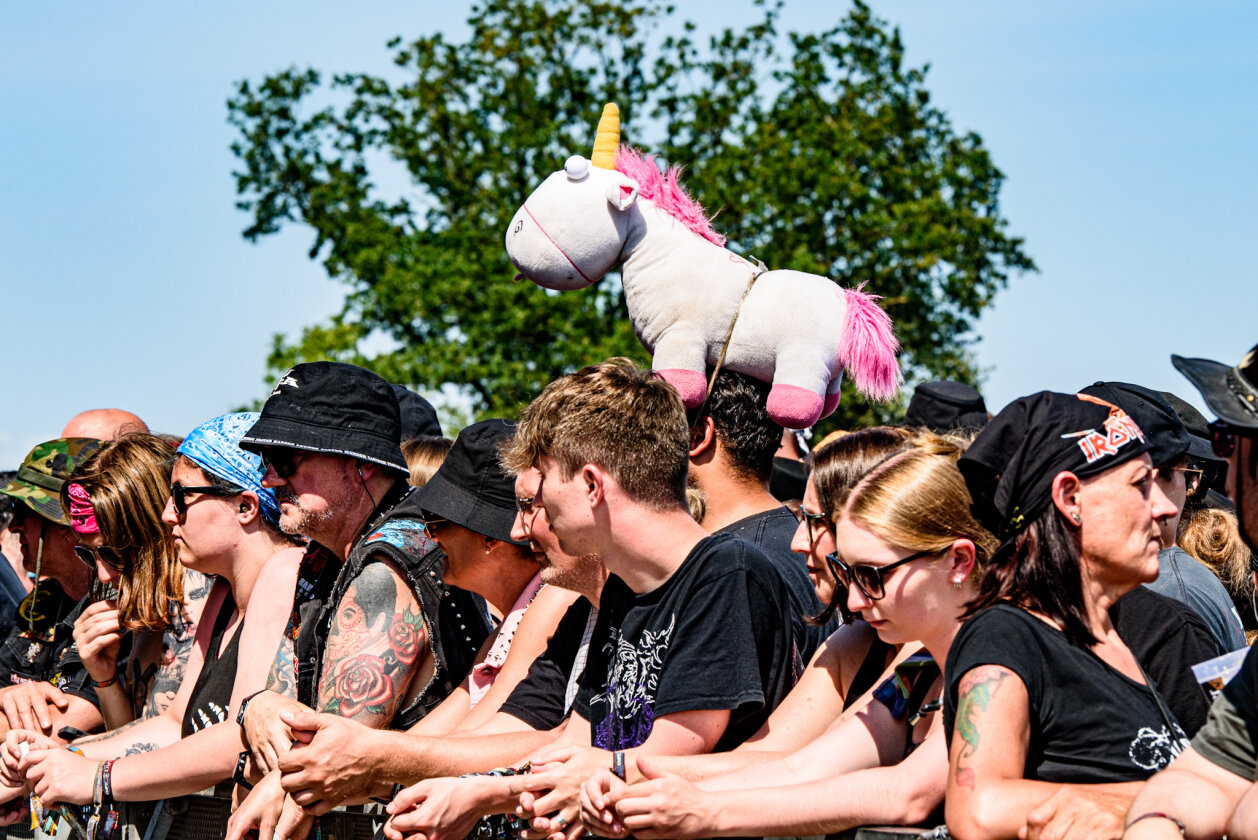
(214, 447)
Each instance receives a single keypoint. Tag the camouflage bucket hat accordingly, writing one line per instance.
(44, 473)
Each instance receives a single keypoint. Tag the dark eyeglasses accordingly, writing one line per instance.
(814, 522)
(104, 554)
(179, 495)
(527, 505)
(283, 460)
(1223, 437)
(870, 579)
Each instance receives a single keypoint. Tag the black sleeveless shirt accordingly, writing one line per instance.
(211, 698)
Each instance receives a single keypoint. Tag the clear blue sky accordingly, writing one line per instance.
(1126, 130)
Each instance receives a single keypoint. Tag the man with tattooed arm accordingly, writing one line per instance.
(373, 635)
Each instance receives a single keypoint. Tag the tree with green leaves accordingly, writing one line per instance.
(817, 151)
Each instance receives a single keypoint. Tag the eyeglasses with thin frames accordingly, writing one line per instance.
(528, 505)
(870, 580)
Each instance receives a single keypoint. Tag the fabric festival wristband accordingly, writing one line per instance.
(106, 684)
(618, 764)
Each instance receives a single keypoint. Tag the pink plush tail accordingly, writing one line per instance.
(867, 346)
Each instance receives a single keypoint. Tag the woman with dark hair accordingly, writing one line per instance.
(223, 524)
(1049, 714)
(911, 557)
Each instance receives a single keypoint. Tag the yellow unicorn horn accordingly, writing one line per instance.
(608, 138)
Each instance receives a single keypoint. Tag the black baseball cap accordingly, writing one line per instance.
(333, 408)
(471, 488)
(1230, 392)
(1168, 438)
(943, 405)
(1010, 467)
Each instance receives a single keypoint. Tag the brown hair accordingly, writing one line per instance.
(1214, 537)
(618, 416)
(917, 500)
(424, 455)
(838, 464)
(129, 482)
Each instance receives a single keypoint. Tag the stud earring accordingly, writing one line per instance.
(956, 583)
(1074, 517)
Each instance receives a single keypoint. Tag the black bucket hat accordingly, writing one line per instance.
(1010, 467)
(942, 406)
(471, 488)
(333, 408)
(1196, 424)
(1230, 392)
(419, 418)
(1167, 436)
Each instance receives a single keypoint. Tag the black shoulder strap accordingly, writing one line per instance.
(872, 667)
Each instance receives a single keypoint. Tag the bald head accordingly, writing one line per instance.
(103, 424)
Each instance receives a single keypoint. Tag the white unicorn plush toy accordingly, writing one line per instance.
(692, 301)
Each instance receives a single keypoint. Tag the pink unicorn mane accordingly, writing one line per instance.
(666, 191)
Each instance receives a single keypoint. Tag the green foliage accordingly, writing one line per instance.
(825, 157)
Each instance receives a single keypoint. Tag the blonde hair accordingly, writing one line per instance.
(618, 416)
(424, 455)
(1214, 537)
(129, 482)
(917, 500)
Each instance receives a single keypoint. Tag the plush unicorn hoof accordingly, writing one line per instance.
(832, 402)
(794, 407)
(689, 383)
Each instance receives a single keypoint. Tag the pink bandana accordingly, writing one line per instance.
(82, 514)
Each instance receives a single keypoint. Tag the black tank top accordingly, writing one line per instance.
(212, 695)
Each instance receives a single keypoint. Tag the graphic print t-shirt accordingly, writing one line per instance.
(716, 635)
(1089, 723)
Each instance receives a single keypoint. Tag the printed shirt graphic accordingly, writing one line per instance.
(716, 635)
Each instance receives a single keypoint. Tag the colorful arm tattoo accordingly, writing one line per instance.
(977, 689)
(377, 642)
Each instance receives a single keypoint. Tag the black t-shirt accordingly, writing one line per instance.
(540, 698)
(1089, 723)
(1167, 637)
(772, 532)
(33, 648)
(715, 635)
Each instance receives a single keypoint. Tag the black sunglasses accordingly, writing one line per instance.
(179, 495)
(1223, 437)
(104, 554)
(869, 579)
(283, 460)
(813, 521)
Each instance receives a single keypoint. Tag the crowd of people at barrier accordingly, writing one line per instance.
(619, 617)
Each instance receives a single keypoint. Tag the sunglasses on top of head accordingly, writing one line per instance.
(104, 555)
